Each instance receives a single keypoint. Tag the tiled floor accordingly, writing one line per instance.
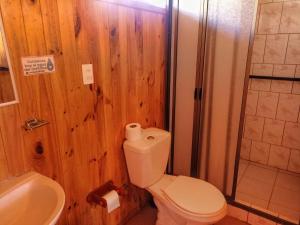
(268, 188)
(147, 216)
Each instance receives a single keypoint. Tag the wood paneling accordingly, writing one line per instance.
(83, 141)
(3, 161)
(3, 58)
(6, 88)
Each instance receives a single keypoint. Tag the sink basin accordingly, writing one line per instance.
(30, 199)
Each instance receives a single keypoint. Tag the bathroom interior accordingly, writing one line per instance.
(149, 112)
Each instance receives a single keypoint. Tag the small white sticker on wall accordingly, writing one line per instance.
(38, 64)
(87, 73)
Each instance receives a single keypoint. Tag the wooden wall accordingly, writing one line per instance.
(83, 142)
(3, 58)
(6, 88)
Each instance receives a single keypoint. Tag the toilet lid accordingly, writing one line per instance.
(195, 196)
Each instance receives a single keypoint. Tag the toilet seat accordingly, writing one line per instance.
(195, 196)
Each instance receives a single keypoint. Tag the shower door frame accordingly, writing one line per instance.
(198, 96)
(196, 88)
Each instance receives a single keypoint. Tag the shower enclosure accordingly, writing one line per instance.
(269, 163)
(236, 120)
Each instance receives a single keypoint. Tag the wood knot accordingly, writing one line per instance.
(70, 153)
(113, 31)
(138, 23)
(77, 27)
(39, 149)
(93, 160)
(151, 79)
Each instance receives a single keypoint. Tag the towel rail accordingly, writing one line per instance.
(274, 78)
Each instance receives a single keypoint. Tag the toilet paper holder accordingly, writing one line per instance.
(96, 196)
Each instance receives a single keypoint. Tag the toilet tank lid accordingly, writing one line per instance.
(195, 196)
(150, 137)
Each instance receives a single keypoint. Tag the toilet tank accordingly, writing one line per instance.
(147, 157)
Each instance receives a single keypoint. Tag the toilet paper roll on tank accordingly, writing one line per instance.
(133, 131)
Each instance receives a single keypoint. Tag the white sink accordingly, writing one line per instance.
(30, 199)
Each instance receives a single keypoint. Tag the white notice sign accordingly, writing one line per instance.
(38, 64)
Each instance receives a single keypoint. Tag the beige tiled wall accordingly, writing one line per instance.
(272, 123)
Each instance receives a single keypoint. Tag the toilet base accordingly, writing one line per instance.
(164, 217)
(167, 217)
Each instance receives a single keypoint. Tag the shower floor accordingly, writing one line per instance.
(269, 189)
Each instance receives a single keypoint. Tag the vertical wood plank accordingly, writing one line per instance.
(49, 10)
(148, 70)
(10, 119)
(33, 25)
(40, 91)
(3, 161)
(71, 157)
(159, 27)
(12, 139)
(135, 46)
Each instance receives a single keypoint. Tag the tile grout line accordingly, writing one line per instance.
(277, 173)
(298, 119)
(290, 156)
(280, 20)
(256, 106)
(277, 105)
(283, 132)
(243, 174)
(269, 155)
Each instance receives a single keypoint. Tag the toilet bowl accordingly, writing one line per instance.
(180, 200)
(187, 201)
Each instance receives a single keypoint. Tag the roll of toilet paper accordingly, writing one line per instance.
(113, 201)
(133, 131)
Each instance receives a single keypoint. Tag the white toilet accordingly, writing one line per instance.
(180, 200)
